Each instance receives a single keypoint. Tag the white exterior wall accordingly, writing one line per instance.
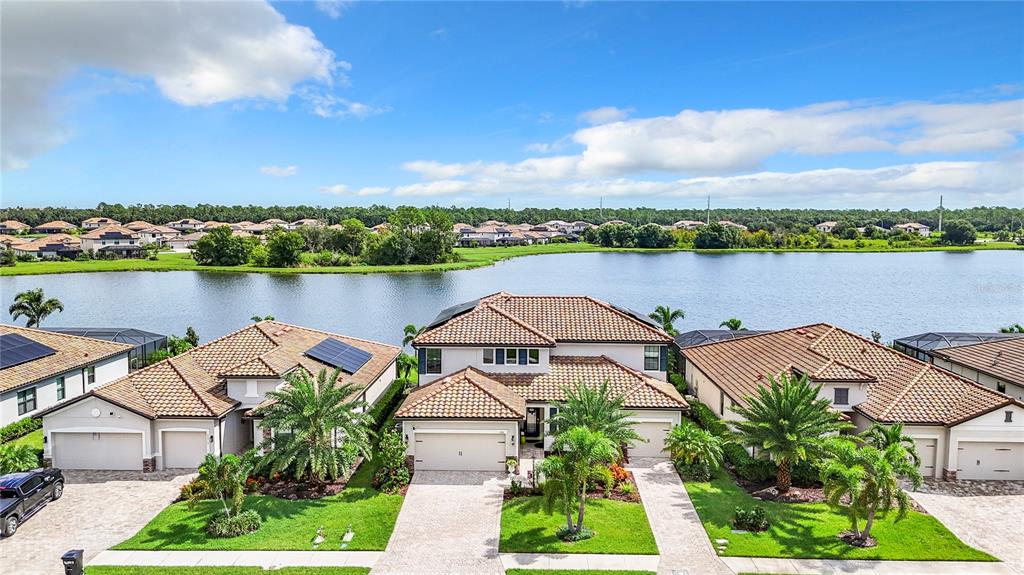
(708, 393)
(89, 244)
(251, 391)
(208, 427)
(94, 415)
(381, 384)
(458, 358)
(858, 394)
(46, 391)
(989, 427)
(988, 381)
(937, 432)
(630, 355)
(234, 433)
(510, 428)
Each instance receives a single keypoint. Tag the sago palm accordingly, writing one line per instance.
(34, 305)
(689, 444)
(787, 421)
(883, 436)
(583, 455)
(665, 315)
(313, 418)
(596, 409)
(733, 324)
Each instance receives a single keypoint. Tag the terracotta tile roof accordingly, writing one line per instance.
(1003, 359)
(899, 387)
(73, 352)
(639, 390)
(193, 384)
(57, 224)
(547, 319)
(50, 240)
(14, 225)
(13, 240)
(112, 229)
(101, 221)
(138, 225)
(467, 394)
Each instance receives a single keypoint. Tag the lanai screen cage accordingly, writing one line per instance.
(144, 342)
(919, 345)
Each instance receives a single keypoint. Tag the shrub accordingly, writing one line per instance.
(222, 525)
(619, 473)
(19, 457)
(516, 488)
(755, 519)
(391, 480)
(388, 402)
(192, 489)
(19, 428)
(694, 472)
(559, 240)
(566, 534)
(627, 489)
(707, 419)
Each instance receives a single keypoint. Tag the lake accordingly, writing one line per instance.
(897, 294)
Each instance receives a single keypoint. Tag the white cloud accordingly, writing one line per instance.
(332, 8)
(327, 105)
(343, 190)
(280, 171)
(196, 53)
(605, 115)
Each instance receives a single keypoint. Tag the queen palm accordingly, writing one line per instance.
(583, 457)
(665, 315)
(411, 331)
(406, 365)
(733, 324)
(221, 478)
(883, 436)
(596, 409)
(787, 421)
(34, 305)
(313, 418)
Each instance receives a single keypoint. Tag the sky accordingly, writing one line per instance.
(555, 104)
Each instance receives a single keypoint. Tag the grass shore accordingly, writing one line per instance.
(469, 258)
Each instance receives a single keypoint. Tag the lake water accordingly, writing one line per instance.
(897, 294)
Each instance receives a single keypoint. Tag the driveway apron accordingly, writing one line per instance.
(449, 524)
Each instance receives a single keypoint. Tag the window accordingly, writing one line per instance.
(511, 354)
(90, 374)
(523, 353)
(489, 355)
(1000, 387)
(499, 356)
(26, 401)
(1008, 417)
(842, 396)
(61, 391)
(652, 357)
(534, 356)
(433, 358)
(552, 428)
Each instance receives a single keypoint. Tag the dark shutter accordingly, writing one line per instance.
(423, 360)
(499, 356)
(663, 360)
(522, 356)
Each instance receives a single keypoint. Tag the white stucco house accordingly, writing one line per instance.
(172, 413)
(186, 225)
(963, 430)
(492, 370)
(826, 227)
(97, 223)
(114, 239)
(913, 228)
(39, 369)
(159, 235)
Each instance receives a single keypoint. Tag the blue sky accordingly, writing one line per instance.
(543, 104)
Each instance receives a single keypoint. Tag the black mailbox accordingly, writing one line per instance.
(72, 562)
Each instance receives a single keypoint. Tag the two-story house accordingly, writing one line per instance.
(962, 430)
(117, 240)
(39, 369)
(492, 370)
(172, 413)
(97, 223)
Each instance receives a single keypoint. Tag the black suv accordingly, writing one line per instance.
(24, 493)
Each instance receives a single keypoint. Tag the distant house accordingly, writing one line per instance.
(6, 242)
(138, 225)
(12, 227)
(186, 225)
(159, 235)
(214, 224)
(117, 240)
(826, 227)
(53, 246)
(39, 369)
(995, 360)
(97, 223)
(730, 224)
(54, 227)
(186, 241)
(614, 223)
(913, 228)
(687, 225)
(276, 222)
(306, 222)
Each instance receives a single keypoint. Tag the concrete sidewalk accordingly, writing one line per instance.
(830, 566)
(264, 559)
(580, 561)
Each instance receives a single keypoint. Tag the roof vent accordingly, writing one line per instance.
(801, 331)
(809, 336)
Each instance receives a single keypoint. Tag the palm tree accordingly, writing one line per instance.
(665, 315)
(33, 305)
(584, 455)
(411, 331)
(842, 475)
(733, 324)
(597, 410)
(312, 418)
(221, 478)
(406, 365)
(259, 318)
(788, 422)
(883, 436)
(690, 445)
(1015, 328)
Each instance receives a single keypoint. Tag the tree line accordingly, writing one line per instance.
(986, 219)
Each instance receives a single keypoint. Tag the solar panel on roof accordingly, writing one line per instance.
(339, 354)
(16, 349)
(450, 312)
(637, 315)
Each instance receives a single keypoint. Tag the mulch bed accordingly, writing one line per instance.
(615, 494)
(803, 494)
(290, 489)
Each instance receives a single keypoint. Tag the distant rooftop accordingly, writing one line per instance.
(700, 336)
(942, 339)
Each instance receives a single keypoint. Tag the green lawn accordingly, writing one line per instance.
(620, 527)
(149, 570)
(808, 530)
(35, 439)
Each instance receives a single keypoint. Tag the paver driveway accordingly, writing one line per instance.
(98, 509)
(449, 524)
(990, 523)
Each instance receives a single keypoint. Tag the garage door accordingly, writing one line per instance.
(990, 460)
(460, 451)
(926, 451)
(654, 433)
(183, 449)
(97, 450)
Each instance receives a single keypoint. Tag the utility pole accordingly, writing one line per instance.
(708, 222)
(940, 214)
(601, 208)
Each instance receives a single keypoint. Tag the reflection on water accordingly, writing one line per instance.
(896, 294)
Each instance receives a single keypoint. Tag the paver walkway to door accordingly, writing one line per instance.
(449, 523)
(682, 541)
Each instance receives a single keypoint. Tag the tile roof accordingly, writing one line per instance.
(138, 225)
(546, 319)
(13, 240)
(101, 220)
(899, 387)
(1003, 358)
(73, 352)
(467, 394)
(112, 229)
(52, 239)
(58, 224)
(193, 384)
(14, 225)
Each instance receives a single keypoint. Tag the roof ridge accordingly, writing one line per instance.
(644, 380)
(627, 316)
(520, 322)
(433, 388)
(1011, 338)
(475, 371)
(903, 392)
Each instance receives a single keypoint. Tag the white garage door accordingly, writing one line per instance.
(183, 449)
(926, 451)
(97, 450)
(655, 433)
(460, 451)
(990, 460)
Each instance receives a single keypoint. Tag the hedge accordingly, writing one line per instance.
(388, 402)
(19, 428)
